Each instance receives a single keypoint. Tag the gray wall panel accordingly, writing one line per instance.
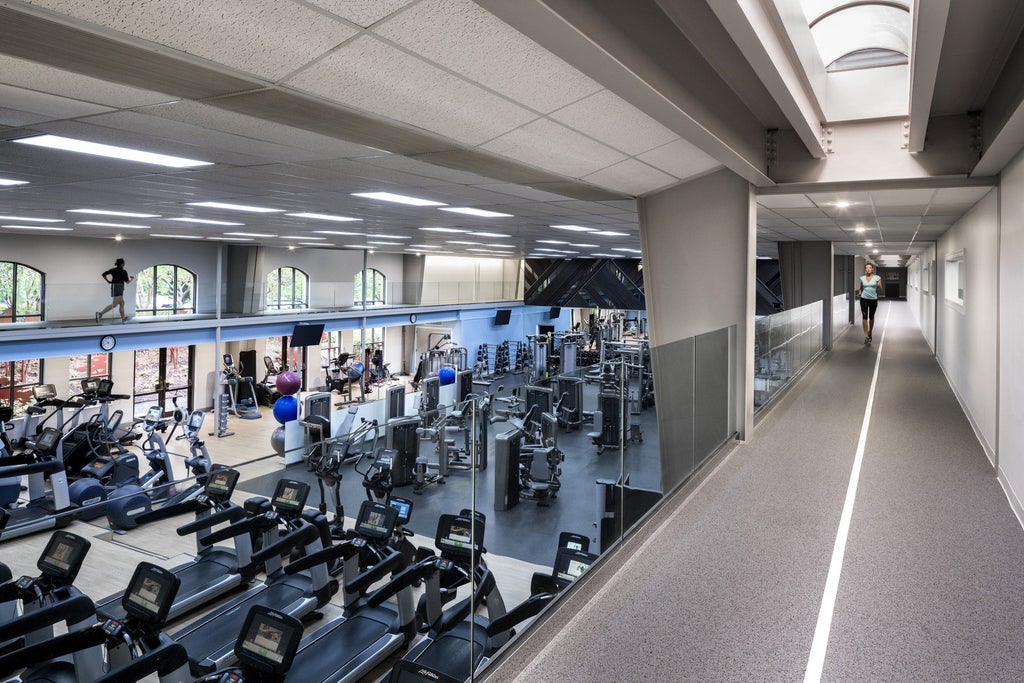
(711, 410)
(673, 367)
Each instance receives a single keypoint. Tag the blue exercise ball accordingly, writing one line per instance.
(355, 371)
(286, 409)
(446, 375)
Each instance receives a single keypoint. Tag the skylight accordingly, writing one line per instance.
(854, 34)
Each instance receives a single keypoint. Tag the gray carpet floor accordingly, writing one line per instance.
(728, 583)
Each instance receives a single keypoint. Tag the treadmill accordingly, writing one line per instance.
(210, 640)
(217, 569)
(46, 508)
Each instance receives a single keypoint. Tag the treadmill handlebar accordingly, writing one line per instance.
(343, 551)
(72, 610)
(163, 660)
(51, 465)
(303, 534)
(59, 646)
(394, 562)
(167, 511)
(528, 608)
(407, 577)
(230, 514)
(243, 526)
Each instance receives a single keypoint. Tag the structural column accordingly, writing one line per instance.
(806, 269)
(699, 246)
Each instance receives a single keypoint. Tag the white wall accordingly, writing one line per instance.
(966, 336)
(921, 296)
(1011, 332)
(448, 279)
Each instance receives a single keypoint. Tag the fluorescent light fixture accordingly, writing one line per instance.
(233, 239)
(842, 204)
(35, 227)
(178, 237)
(483, 213)
(584, 246)
(444, 229)
(249, 234)
(859, 228)
(605, 255)
(632, 251)
(501, 246)
(119, 214)
(386, 244)
(111, 151)
(339, 232)
(113, 225)
(316, 244)
(235, 207)
(31, 220)
(204, 221)
(425, 246)
(869, 244)
(392, 237)
(610, 233)
(551, 242)
(9, 181)
(574, 228)
(874, 251)
(557, 251)
(397, 198)
(463, 242)
(300, 237)
(323, 217)
(118, 238)
(488, 234)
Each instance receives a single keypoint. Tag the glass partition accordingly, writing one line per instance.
(784, 343)
(840, 314)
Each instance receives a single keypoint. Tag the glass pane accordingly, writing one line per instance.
(186, 286)
(177, 371)
(165, 289)
(30, 294)
(147, 377)
(299, 286)
(6, 291)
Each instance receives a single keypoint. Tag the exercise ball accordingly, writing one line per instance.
(446, 375)
(286, 409)
(277, 440)
(355, 371)
(288, 383)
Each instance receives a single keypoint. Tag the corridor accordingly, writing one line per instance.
(728, 584)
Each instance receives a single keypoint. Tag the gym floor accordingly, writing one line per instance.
(519, 541)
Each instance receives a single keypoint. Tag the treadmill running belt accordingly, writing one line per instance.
(335, 649)
(450, 654)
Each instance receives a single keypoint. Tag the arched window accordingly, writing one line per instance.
(165, 290)
(374, 287)
(287, 287)
(21, 293)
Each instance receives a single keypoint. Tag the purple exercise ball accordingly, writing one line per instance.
(288, 383)
(286, 409)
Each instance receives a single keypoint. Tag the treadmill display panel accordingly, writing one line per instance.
(454, 538)
(195, 421)
(570, 564)
(47, 440)
(268, 640)
(290, 495)
(43, 392)
(63, 556)
(376, 521)
(153, 415)
(221, 483)
(151, 593)
(403, 507)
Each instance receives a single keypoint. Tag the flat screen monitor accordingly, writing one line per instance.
(268, 640)
(403, 507)
(104, 388)
(221, 483)
(503, 316)
(63, 556)
(555, 312)
(153, 415)
(455, 537)
(150, 593)
(90, 385)
(570, 564)
(306, 334)
(195, 421)
(42, 392)
(290, 495)
(47, 440)
(376, 521)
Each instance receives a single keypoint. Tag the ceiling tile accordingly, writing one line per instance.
(47, 79)
(525, 193)
(607, 117)
(680, 159)
(46, 107)
(556, 148)
(267, 38)
(785, 201)
(959, 195)
(375, 77)
(363, 13)
(801, 213)
(461, 36)
(632, 176)
(901, 197)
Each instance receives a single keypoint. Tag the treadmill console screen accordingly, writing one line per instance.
(228, 360)
(153, 415)
(195, 421)
(104, 387)
(570, 564)
(150, 593)
(47, 440)
(376, 521)
(43, 392)
(453, 537)
(403, 507)
(90, 385)
(268, 640)
(221, 484)
(290, 495)
(63, 556)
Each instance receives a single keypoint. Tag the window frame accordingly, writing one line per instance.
(371, 289)
(16, 315)
(273, 303)
(75, 381)
(955, 278)
(152, 310)
(7, 391)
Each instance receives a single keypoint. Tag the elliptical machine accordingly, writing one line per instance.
(242, 403)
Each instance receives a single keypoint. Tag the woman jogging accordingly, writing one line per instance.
(118, 277)
(869, 284)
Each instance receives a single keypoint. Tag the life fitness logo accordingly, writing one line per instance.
(428, 674)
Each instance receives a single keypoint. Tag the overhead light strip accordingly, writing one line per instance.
(110, 151)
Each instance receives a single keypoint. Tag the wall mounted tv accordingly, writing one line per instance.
(502, 316)
(554, 313)
(306, 334)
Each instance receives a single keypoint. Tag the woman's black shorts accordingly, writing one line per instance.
(867, 308)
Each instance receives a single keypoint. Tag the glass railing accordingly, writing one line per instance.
(840, 314)
(784, 343)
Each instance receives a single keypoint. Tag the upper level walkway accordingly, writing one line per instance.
(859, 535)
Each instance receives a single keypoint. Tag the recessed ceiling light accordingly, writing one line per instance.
(462, 242)
(392, 237)
(178, 237)
(111, 151)
(235, 207)
(35, 227)
(324, 217)
(443, 229)
(551, 242)
(574, 228)
(859, 228)
(113, 225)
(31, 220)
(842, 204)
(204, 221)
(610, 233)
(488, 234)
(249, 234)
(483, 213)
(233, 239)
(121, 214)
(869, 244)
(291, 247)
(339, 232)
(9, 181)
(874, 251)
(397, 198)
(300, 237)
